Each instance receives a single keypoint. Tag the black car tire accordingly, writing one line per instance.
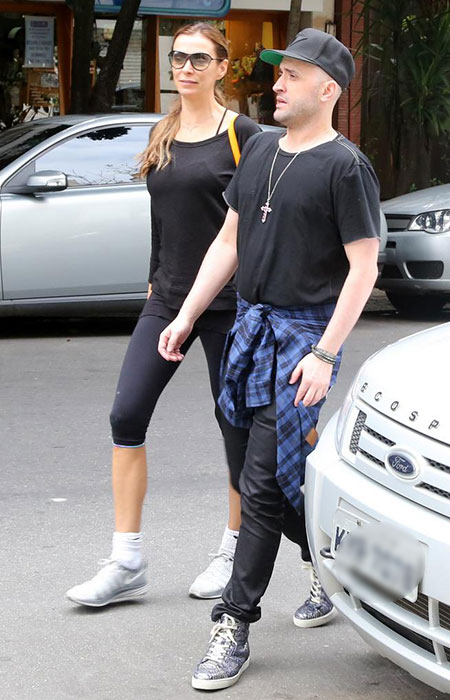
(411, 305)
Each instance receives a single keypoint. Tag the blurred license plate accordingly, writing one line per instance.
(343, 524)
(378, 554)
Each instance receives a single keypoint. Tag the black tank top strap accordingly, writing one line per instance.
(221, 121)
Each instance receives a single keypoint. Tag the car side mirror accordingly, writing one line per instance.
(45, 181)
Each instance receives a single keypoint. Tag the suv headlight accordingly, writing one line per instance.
(432, 222)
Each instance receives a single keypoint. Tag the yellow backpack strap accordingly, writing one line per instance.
(233, 141)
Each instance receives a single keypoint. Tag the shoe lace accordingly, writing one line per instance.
(222, 637)
(305, 565)
(316, 590)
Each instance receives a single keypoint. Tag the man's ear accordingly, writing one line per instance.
(330, 91)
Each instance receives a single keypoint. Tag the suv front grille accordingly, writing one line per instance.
(411, 635)
(420, 608)
(379, 437)
(438, 465)
(370, 440)
(372, 458)
(434, 489)
(356, 434)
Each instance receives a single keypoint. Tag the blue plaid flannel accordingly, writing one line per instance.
(263, 348)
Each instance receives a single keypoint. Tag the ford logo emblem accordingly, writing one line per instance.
(402, 465)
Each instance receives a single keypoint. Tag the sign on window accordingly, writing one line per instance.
(39, 34)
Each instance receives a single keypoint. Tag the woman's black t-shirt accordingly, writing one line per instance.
(187, 212)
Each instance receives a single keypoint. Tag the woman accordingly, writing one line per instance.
(188, 164)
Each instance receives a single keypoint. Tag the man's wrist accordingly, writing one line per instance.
(325, 355)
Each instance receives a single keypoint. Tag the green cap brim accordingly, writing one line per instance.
(273, 57)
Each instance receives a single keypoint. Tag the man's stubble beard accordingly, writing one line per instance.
(299, 114)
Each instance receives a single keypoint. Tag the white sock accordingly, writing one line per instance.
(127, 549)
(229, 542)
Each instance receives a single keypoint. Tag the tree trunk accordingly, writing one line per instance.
(103, 93)
(83, 12)
(294, 19)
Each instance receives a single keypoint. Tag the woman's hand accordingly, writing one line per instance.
(173, 337)
(315, 378)
(149, 293)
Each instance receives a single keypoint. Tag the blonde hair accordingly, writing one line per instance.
(162, 135)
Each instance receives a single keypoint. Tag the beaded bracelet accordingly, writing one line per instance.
(323, 355)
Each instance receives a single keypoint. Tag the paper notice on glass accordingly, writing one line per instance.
(39, 42)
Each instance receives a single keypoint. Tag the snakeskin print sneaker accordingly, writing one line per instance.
(318, 609)
(227, 656)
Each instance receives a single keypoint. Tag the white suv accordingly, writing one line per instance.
(385, 458)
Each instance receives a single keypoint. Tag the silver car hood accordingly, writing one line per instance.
(409, 381)
(414, 203)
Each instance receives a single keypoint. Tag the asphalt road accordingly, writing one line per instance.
(57, 383)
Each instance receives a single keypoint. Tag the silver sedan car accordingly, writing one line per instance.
(416, 274)
(75, 218)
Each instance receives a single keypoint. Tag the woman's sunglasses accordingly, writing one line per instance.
(199, 61)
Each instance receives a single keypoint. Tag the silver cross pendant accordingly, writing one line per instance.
(266, 210)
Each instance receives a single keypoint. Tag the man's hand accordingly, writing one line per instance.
(173, 337)
(315, 378)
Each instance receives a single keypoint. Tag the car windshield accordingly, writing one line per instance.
(19, 139)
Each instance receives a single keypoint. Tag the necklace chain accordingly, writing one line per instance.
(206, 121)
(266, 209)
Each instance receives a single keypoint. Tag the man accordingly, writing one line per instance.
(301, 234)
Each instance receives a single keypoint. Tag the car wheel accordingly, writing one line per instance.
(411, 305)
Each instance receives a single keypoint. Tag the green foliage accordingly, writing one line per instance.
(425, 76)
(434, 182)
(409, 43)
(406, 49)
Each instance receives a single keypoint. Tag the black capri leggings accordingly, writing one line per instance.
(145, 374)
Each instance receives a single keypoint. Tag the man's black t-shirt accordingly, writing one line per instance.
(188, 210)
(329, 196)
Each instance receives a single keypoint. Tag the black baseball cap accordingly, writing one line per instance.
(321, 49)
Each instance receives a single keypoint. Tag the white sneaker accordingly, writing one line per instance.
(213, 580)
(112, 584)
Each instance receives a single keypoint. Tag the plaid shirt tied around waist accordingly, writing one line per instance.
(262, 350)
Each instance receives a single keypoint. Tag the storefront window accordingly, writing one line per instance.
(249, 85)
(28, 68)
(129, 95)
